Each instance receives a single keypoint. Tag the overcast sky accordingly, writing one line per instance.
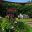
(17, 0)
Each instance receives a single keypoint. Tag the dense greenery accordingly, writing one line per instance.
(24, 9)
(18, 27)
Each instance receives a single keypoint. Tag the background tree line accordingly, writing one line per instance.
(24, 9)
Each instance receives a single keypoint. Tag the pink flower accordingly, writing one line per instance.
(11, 15)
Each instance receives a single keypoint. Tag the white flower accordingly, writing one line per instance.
(0, 17)
(2, 28)
(12, 27)
(15, 22)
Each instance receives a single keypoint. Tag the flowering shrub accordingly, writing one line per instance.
(16, 26)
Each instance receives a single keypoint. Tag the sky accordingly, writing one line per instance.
(17, 0)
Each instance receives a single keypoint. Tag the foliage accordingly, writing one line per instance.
(19, 26)
(24, 9)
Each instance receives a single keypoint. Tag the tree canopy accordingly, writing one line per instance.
(24, 9)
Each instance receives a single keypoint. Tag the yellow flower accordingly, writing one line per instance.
(17, 19)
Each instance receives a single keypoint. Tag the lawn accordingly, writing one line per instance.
(25, 20)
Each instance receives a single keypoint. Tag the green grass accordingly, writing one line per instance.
(26, 20)
(30, 30)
